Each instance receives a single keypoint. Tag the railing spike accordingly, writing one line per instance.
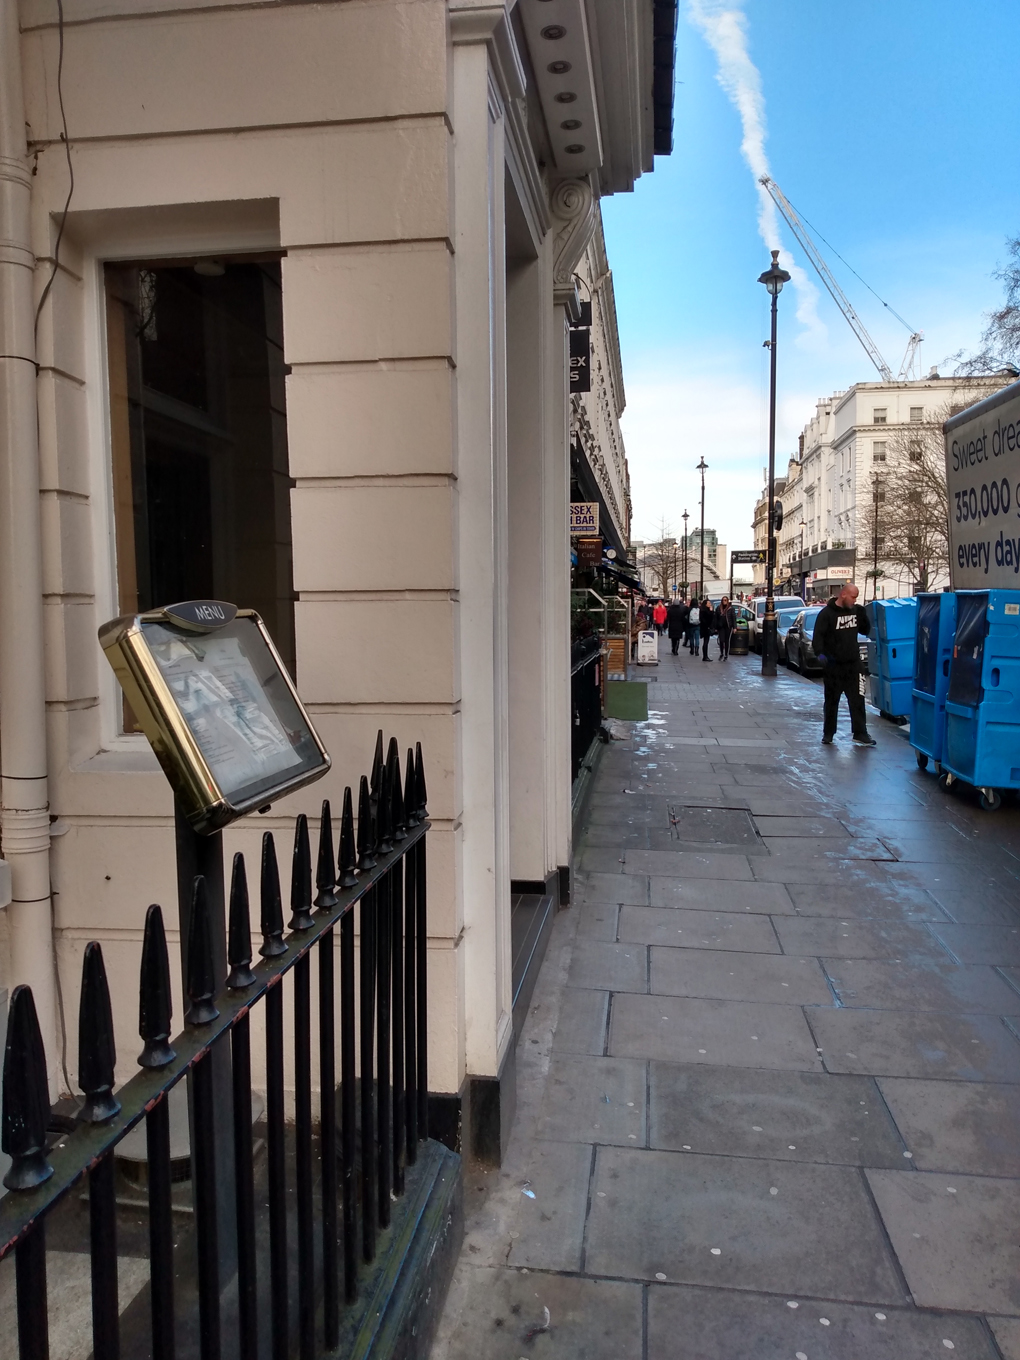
(301, 879)
(97, 1052)
(410, 812)
(366, 828)
(239, 930)
(201, 971)
(377, 768)
(421, 796)
(26, 1096)
(348, 861)
(325, 872)
(398, 821)
(384, 819)
(155, 1003)
(272, 902)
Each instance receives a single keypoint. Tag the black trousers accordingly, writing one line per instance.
(840, 680)
(674, 641)
(706, 637)
(724, 641)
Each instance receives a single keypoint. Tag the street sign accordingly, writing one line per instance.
(983, 485)
(755, 556)
(220, 711)
(584, 518)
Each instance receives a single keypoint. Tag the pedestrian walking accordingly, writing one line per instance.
(725, 622)
(676, 623)
(659, 616)
(694, 627)
(836, 647)
(707, 614)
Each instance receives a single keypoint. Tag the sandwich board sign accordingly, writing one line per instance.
(648, 647)
(983, 484)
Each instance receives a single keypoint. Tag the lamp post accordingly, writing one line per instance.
(687, 584)
(701, 571)
(773, 279)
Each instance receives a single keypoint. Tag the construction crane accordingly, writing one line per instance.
(910, 358)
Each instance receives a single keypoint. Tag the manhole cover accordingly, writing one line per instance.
(712, 826)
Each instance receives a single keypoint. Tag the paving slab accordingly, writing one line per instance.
(826, 847)
(890, 902)
(955, 1238)
(819, 872)
(545, 1232)
(981, 944)
(581, 1025)
(731, 1033)
(698, 929)
(917, 1044)
(987, 907)
(800, 827)
(595, 1100)
(613, 888)
(732, 976)
(921, 984)
(687, 1323)
(500, 1314)
(857, 939)
(957, 1126)
(688, 864)
(785, 1116)
(1007, 1336)
(609, 967)
(709, 894)
(715, 1221)
(597, 921)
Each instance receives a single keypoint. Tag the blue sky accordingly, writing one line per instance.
(892, 127)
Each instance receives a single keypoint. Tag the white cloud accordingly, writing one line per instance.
(724, 28)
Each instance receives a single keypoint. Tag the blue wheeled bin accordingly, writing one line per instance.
(891, 655)
(982, 745)
(933, 650)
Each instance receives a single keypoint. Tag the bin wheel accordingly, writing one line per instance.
(990, 800)
(922, 760)
(945, 781)
(938, 767)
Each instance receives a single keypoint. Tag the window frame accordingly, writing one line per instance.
(122, 237)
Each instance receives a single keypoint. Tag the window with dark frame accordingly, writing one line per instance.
(201, 482)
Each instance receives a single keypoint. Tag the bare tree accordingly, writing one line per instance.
(905, 519)
(1000, 343)
(662, 558)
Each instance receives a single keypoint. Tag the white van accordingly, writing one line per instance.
(757, 606)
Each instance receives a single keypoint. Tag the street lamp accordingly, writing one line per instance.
(773, 279)
(687, 583)
(701, 575)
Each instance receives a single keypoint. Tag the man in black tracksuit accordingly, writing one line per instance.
(836, 647)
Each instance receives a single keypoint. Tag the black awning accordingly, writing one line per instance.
(618, 575)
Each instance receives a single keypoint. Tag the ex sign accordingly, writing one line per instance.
(983, 482)
(584, 519)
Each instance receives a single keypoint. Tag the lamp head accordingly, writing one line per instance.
(774, 277)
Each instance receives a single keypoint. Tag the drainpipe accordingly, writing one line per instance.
(24, 798)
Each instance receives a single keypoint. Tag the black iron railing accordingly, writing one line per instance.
(585, 698)
(342, 1183)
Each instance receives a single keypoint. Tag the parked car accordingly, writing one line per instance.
(784, 619)
(757, 606)
(800, 654)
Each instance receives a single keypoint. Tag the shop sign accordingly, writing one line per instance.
(584, 518)
(983, 482)
(580, 359)
(648, 647)
(589, 553)
(833, 574)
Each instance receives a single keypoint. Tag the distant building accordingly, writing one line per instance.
(852, 436)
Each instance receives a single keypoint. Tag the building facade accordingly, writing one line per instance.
(298, 337)
(854, 439)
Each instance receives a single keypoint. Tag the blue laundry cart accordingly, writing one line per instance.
(982, 744)
(933, 651)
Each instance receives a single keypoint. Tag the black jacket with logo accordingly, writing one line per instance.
(835, 635)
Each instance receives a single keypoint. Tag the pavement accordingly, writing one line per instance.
(769, 1085)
